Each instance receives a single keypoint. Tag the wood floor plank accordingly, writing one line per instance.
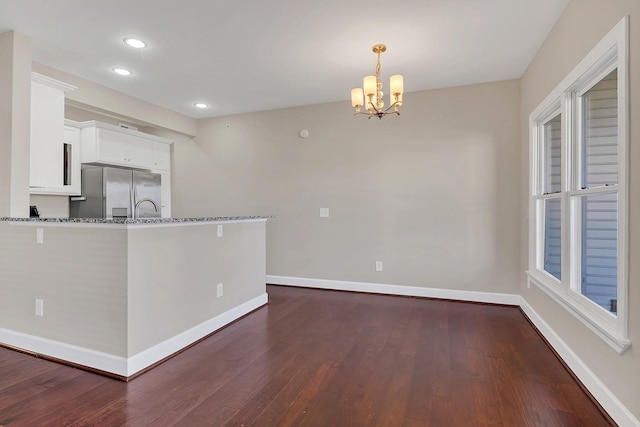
(323, 358)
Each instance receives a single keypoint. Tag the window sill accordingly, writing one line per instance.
(608, 333)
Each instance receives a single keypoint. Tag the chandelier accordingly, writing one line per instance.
(373, 92)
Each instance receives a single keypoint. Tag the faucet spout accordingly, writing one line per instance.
(136, 213)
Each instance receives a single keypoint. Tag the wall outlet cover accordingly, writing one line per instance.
(219, 290)
(39, 307)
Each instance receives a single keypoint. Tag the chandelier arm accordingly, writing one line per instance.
(376, 109)
(386, 110)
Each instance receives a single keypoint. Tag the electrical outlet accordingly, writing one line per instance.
(378, 265)
(220, 290)
(39, 235)
(219, 230)
(324, 212)
(39, 307)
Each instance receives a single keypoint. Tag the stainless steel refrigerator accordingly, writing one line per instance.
(109, 192)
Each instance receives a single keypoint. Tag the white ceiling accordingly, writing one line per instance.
(241, 56)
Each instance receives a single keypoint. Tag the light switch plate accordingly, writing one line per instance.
(39, 235)
(378, 265)
(219, 230)
(324, 212)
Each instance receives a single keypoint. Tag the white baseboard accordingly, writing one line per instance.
(68, 352)
(166, 348)
(379, 288)
(123, 366)
(620, 414)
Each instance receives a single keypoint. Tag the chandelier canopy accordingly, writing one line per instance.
(372, 90)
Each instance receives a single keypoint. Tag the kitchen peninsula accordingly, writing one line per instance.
(120, 295)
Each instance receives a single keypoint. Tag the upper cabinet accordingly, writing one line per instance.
(161, 156)
(107, 144)
(47, 147)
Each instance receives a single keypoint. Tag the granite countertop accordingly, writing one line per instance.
(129, 221)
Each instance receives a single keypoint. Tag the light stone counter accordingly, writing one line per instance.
(138, 221)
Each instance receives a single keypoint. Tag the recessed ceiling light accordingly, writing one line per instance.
(138, 44)
(122, 71)
(201, 105)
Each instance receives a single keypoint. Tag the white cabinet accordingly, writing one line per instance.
(161, 156)
(108, 146)
(46, 169)
(139, 152)
(70, 164)
(112, 147)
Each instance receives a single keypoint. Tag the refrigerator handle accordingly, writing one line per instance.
(134, 198)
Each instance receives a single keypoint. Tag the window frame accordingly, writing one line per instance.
(609, 54)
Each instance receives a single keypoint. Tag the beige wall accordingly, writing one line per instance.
(79, 273)
(51, 206)
(174, 272)
(121, 291)
(583, 24)
(433, 193)
(15, 119)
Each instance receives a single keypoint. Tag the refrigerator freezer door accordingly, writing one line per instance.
(117, 193)
(146, 185)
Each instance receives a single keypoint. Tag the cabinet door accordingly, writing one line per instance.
(72, 138)
(161, 156)
(71, 171)
(139, 152)
(47, 124)
(111, 147)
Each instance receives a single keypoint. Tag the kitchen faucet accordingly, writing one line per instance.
(135, 210)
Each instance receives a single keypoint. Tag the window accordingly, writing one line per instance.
(551, 137)
(578, 198)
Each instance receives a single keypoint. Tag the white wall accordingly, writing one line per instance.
(583, 24)
(433, 193)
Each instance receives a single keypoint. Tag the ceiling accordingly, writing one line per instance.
(242, 56)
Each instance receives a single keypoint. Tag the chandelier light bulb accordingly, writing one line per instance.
(396, 84)
(370, 85)
(357, 97)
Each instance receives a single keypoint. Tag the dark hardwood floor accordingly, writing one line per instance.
(323, 358)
